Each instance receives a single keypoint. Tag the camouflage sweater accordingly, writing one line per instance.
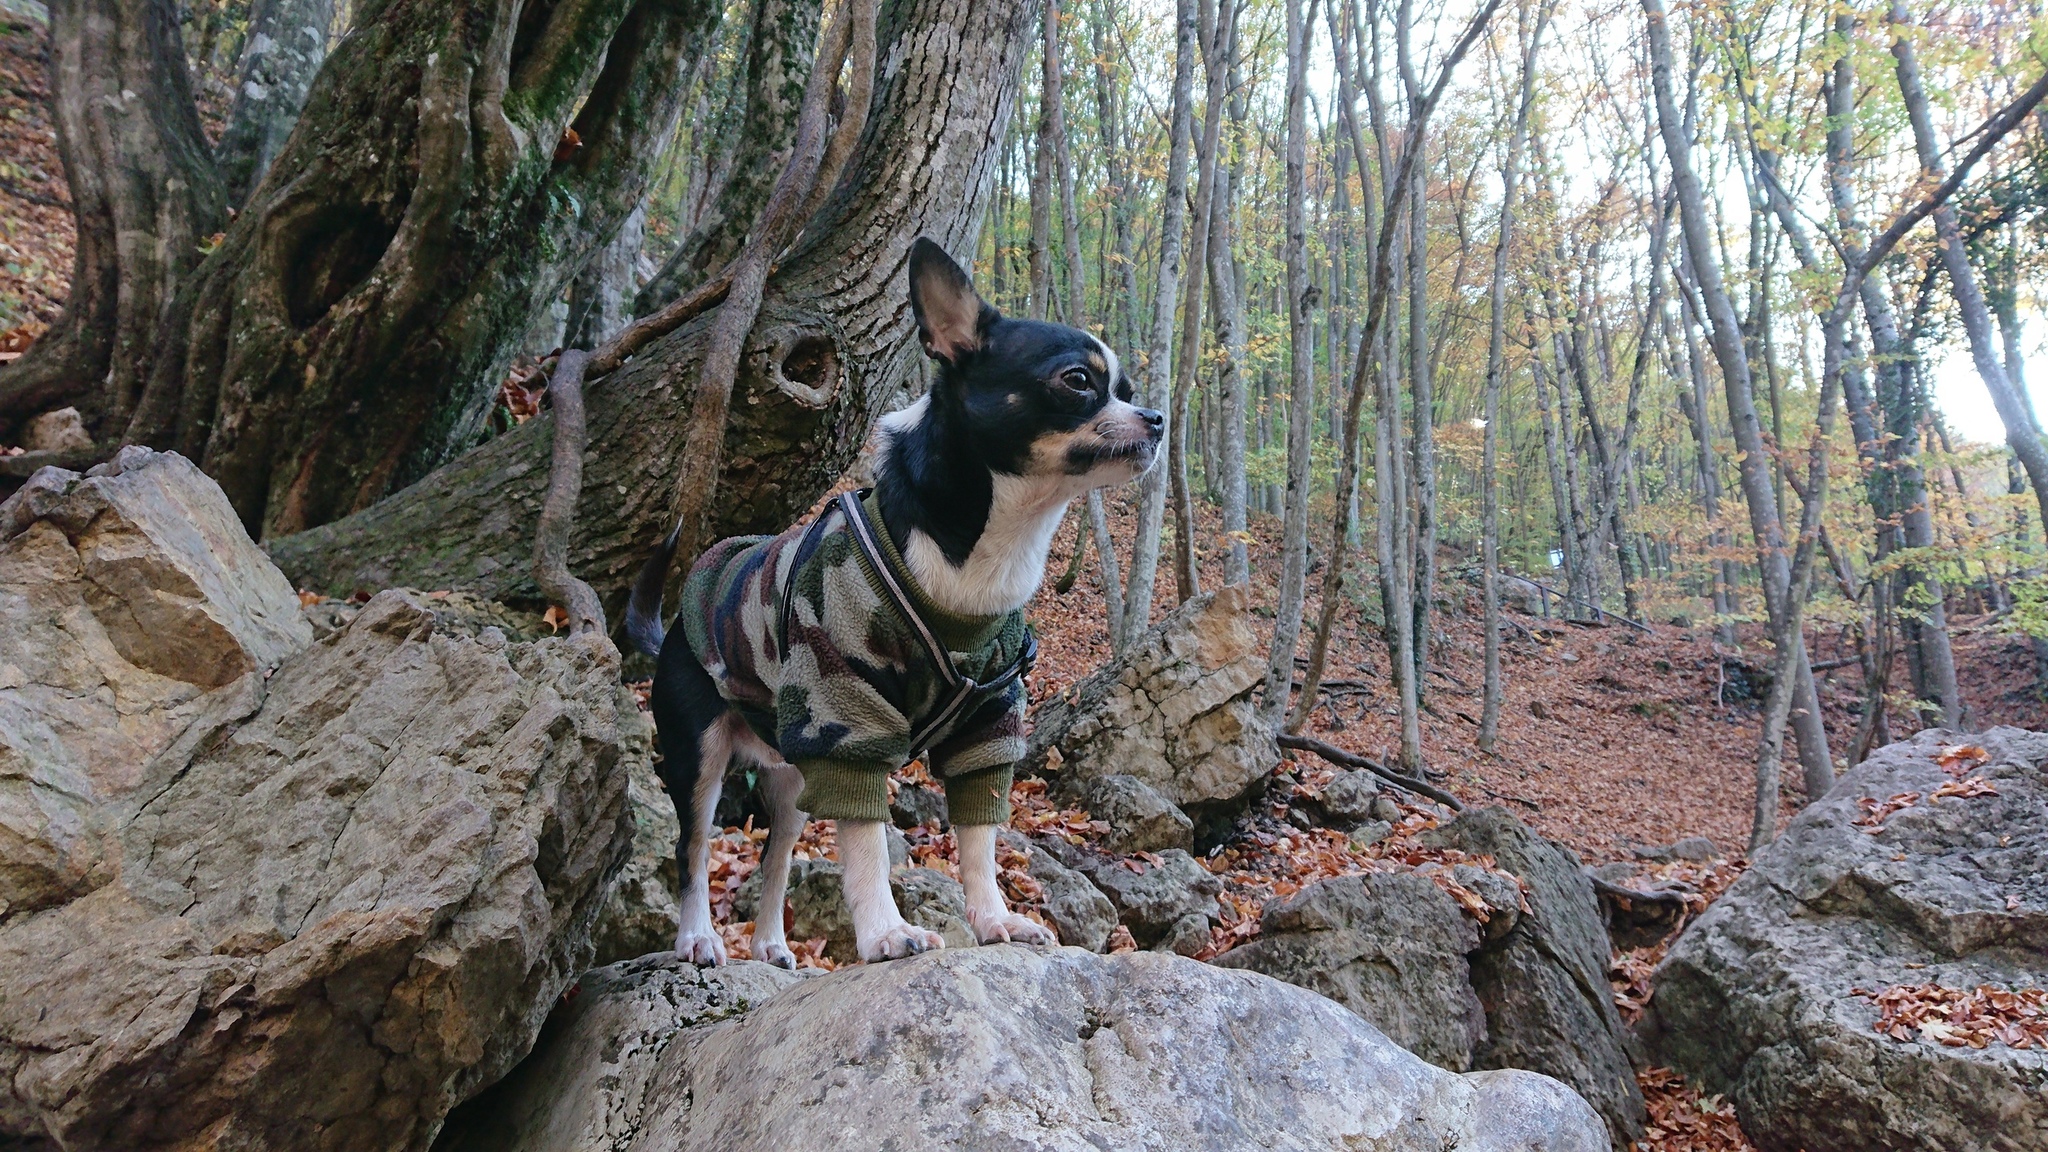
(845, 700)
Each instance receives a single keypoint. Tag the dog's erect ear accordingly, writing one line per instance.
(951, 316)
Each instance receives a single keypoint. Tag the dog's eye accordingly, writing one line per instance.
(1077, 379)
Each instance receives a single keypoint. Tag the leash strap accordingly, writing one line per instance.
(961, 689)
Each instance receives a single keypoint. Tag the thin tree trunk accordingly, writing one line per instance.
(1228, 473)
(1042, 164)
(284, 47)
(1421, 384)
(1301, 393)
(1217, 30)
(1156, 384)
(145, 196)
(1496, 375)
(1725, 335)
(2020, 430)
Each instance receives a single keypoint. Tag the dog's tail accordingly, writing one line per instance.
(643, 611)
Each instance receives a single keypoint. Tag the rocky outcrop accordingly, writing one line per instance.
(333, 901)
(997, 1047)
(817, 908)
(1175, 712)
(1528, 989)
(1078, 910)
(640, 915)
(586, 1086)
(1389, 946)
(1166, 899)
(1758, 997)
(1543, 981)
(1139, 819)
(133, 611)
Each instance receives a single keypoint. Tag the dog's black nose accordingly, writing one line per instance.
(1154, 419)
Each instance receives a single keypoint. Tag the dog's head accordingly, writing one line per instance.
(1029, 398)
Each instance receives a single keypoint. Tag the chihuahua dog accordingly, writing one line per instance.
(891, 626)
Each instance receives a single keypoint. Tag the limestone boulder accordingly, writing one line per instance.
(1175, 712)
(640, 915)
(1759, 998)
(331, 913)
(1078, 910)
(134, 611)
(1526, 990)
(997, 1047)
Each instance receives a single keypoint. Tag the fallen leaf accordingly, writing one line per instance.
(555, 618)
(569, 145)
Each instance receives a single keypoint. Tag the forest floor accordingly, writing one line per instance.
(36, 229)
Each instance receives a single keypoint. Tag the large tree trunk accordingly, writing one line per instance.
(346, 337)
(144, 193)
(780, 48)
(830, 352)
(281, 54)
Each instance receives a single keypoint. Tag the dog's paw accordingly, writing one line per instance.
(774, 952)
(1008, 927)
(704, 949)
(899, 941)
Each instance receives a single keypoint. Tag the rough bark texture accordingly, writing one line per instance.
(285, 46)
(144, 194)
(780, 48)
(345, 338)
(830, 351)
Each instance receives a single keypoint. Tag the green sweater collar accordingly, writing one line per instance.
(957, 632)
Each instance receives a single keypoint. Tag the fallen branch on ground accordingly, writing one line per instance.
(1341, 758)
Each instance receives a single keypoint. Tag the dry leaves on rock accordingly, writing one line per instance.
(1962, 1018)
(1961, 758)
(1876, 812)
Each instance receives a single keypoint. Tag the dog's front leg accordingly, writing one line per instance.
(986, 909)
(879, 930)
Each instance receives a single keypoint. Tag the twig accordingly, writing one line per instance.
(1341, 758)
(1524, 801)
(1644, 628)
(558, 508)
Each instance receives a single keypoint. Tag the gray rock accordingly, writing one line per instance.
(640, 915)
(1189, 935)
(1347, 800)
(1079, 912)
(1385, 809)
(1697, 849)
(916, 804)
(1005, 1048)
(1139, 819)
(587, 1081)
(1370, 833)
(1549, 1007)
(1175, 711)
(338, 912)
(1519, 1111)
(1755, 998)
(59, 431)
(1150, 899)
(1388, 946)
(135, 612)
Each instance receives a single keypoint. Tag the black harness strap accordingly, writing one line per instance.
(960, 689)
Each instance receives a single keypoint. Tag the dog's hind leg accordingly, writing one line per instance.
(879, 930)
(696, 746)
(987, 911)
(780, 784)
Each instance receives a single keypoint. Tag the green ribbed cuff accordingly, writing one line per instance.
(981, 797)
(845, 790)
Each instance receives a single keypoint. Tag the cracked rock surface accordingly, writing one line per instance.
(1756, 1000)
(333, 903)
(994, 1047)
